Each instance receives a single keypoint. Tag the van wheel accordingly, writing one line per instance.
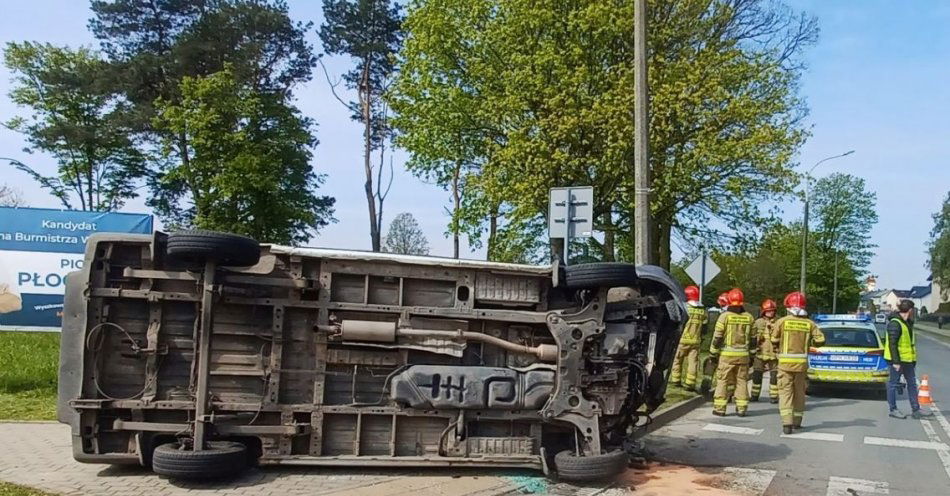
(224, 248)
(222, 459)
(599, 275)
(571, 467)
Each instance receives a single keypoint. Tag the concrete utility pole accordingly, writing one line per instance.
(641, 174)
(805, 221)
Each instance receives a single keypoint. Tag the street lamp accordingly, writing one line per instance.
(805, 223)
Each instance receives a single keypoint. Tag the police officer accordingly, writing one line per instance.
(687, 354)
(792, 335)
(734, 343)
(765, 359)
(900, 351)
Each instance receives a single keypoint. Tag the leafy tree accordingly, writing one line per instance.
(10, 197)
(770, 268)
(540, 94)
(939, 246)
(845, 212)
(153, 46)
(74, 118)
(249, 170)
(405, 237)
(368, 31)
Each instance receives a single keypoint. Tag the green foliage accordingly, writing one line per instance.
(29, 364)
(154, 47)
(75, 117)
(7, 489)
(405, 237)
(845, 212)
(529, 95)
(939, 246)
(771, 269)
(249, 171)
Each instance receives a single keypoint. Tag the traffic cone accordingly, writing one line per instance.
(923, 395)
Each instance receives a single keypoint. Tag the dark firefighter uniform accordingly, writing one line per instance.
(792, 336)
(765, 359)
(687, 354)
(733, 342)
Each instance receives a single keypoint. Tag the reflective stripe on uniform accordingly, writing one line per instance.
(785, 412)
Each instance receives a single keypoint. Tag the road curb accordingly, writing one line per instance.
(666, 415)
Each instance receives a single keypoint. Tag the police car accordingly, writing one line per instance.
(852, 355)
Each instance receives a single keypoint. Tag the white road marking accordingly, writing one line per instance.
(907, 443)
(815, 436)
(843, 486)
(940, 418)
(943, 454)
(748, 481)
(730, 429)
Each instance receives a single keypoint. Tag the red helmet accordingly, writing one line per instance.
(692, 293)
(723, 300)
(795, 300)
(736, 298)
(769, 305)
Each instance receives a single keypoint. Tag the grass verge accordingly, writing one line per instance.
(7, 489)
(29, 363)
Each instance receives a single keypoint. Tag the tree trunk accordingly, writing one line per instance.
(609, 237)
(367, 164)
(664, 254)
(492, 232)
(456, 204)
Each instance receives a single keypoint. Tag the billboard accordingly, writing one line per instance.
(38, 247)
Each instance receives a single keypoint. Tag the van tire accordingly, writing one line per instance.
(200, 246)
(571, 467)
(599, 275)
(220, 460)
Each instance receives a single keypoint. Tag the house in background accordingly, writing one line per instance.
(921, 296)
(872, 298)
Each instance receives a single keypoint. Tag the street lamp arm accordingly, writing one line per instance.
(845, 154)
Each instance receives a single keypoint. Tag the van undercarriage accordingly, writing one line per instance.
(196, 353)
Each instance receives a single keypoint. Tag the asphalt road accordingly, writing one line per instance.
(849, 445)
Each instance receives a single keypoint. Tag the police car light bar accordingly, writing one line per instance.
(847, 317)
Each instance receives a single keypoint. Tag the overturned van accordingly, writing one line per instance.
(200, 353)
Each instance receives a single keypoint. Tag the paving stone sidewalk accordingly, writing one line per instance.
(39, 455)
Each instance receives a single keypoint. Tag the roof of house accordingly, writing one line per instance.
(870, 295)
(901, 293)
(919, 291)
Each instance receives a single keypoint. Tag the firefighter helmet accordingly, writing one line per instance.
(736, 298)
(769, 305)
(795, 299)
(692, 293)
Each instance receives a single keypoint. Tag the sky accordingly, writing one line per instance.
(877, 82)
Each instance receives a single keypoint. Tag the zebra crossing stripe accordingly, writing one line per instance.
(843, 486)
(934, 444)
(731, 429)
(815, 436)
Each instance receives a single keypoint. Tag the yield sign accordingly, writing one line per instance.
(702, 269)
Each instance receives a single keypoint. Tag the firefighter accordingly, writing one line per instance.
(733, 342)
(792, 335)
(711, 363)
(765, 359)
(688, 350)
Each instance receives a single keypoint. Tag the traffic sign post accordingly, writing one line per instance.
(702, 270)
(571, 215)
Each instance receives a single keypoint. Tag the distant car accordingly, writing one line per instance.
(852, 355)
(880, 318)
